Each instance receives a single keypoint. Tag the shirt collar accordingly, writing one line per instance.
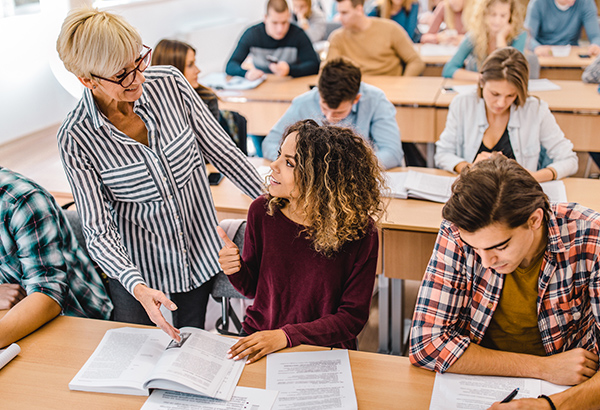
(555, 241)
(513, 120)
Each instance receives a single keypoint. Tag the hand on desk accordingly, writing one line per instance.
(151, 300)
(594, 50)
(280, 69)
(10, 295)
(254, 74)
(258, 345)
(229, 255)
(569, 368)
(543, 51)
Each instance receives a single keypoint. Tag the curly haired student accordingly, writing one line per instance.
(310, 250)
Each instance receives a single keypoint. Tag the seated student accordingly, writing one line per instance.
(452, 13)
(559, 22)
(183, 57)
(403, 12)
(310, 250)
(591, 74)
(310, 19)
(275, 46)
(341, 98)
(494, 24)
(503, 117)
(512, 287)
(43, 271)
(377, 46)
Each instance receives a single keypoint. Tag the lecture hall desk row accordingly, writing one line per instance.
(38, 377)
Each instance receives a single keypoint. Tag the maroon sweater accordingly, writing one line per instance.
(315, 300)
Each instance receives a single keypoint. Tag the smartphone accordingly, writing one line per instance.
(446, 90)
(272, 59)
(214, 178)
(584, 56)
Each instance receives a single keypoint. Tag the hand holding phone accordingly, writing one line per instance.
(272, 59)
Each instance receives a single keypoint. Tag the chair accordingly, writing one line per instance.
(223, 290)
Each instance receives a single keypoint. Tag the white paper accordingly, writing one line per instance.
(243, 398)
(434, 50)
(431, 187)
(6, 355)
(555, 190)
(311, 380)
(542, 84)
(219, 81)
(460, 391)
(395, 182)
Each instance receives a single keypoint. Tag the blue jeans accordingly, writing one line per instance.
(257, 142)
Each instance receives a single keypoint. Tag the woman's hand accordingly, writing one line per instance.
(258, 345)
(10, 295)
(502, 36)
(151, 300)
(229, 255)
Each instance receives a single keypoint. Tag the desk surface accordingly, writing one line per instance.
(38, 377)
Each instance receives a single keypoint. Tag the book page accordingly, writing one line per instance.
(435, 188)
(122, 361)
(244, 398)
(555, 190)
(311, 380)
(395, 182)
(198, 364)
(6, 355)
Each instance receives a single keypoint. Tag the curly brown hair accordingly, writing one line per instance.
(339, 182)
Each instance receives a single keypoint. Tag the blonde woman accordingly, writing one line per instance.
(452, 13)
(310, 19)
(403, 12)
(494, 24)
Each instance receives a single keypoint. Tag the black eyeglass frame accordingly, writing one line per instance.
(134, 71)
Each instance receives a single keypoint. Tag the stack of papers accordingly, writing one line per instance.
(218, 81)
(542, 84)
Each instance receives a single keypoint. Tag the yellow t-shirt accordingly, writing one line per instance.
(514, 326)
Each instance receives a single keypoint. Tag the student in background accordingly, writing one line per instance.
(512, 287)
(310, 250)
(342, 99)
(452, 13)
(133, 150)
(377, 46)
(559, 22)
(183, 57)
(494, 24)
(310, 19)
(43, 271)
(275, 47)
(403, 12)
(503, 117)
(591, 74)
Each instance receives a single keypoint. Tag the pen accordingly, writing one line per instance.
(510, 396)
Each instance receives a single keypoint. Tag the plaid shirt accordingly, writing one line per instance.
(39, 252)
(458, 295)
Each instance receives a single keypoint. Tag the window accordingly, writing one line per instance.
(18, 7)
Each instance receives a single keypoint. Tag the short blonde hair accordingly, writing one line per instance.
(93, 41)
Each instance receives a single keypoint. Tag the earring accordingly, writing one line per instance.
(94, 87)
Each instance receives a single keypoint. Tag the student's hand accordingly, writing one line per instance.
(594, 50)
(151, 300)
(229, 255)
(10, 295)
(502, 36)
(254, 74)
(570, 368)
(524, 404)
(280, 69)
(543, 51)
(258, 345)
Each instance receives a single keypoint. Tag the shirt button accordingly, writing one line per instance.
(180, 233)
(164, 179)
(184, 251)
(170, 196)
(576, 315)
(176, 216)
(186, 265)
(490, 305)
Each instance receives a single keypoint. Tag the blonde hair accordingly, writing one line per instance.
(93, 42)
(478, 26)
(385, 7)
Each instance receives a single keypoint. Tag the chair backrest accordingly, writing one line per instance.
(75, 222)
(235, 229)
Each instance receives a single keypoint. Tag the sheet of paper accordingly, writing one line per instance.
(311, 380)
(243, 398)
(437, 188)
(219, 81)
(6, 355)
(555, 190)
(395, 182)
(434, 50)
(461, 391)
(542, 84)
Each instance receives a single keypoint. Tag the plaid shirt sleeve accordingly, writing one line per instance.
(440, 328)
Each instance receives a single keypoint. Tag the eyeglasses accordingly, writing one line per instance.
(128, 78)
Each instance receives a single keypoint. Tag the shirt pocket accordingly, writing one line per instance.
(131, 183)
(183, 157)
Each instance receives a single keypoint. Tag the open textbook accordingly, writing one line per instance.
(438, 188)
(461, 391)
(244, 398)
(6, 355)
(219, 81)
(133, 360)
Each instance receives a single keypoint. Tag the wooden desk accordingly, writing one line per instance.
(565, 68)
(38, 377)
(576, 107)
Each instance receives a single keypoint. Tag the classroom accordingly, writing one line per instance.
(413, 183)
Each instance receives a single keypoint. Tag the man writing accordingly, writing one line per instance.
(342, 99)
(512, 287)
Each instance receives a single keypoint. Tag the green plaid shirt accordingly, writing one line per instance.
(39, 252)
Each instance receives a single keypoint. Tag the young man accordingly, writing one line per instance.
(559, 22)
(43, 271)
(512, 287)
(378, 46)
(342, 99)
(275, 46)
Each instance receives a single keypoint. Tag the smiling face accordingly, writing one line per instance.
(283, 179)
(108, 91)
(497, 17)
(191, 70)
(277, 24)
(498, 96)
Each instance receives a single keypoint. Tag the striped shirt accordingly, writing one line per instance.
(39, 252)
(458, 295)
(147, 211)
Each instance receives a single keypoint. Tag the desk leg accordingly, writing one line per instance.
(397, 316)
(430, 154)
(384, 314)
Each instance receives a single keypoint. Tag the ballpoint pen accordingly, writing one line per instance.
(510, 396)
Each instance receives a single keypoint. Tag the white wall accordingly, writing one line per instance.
(31, 98)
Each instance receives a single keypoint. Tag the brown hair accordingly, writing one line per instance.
(496, 190)
(507, 64)
(385, 7)
(338, 180)
(278, 6)
(309, 5)
(355, 3)
(339, 82)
